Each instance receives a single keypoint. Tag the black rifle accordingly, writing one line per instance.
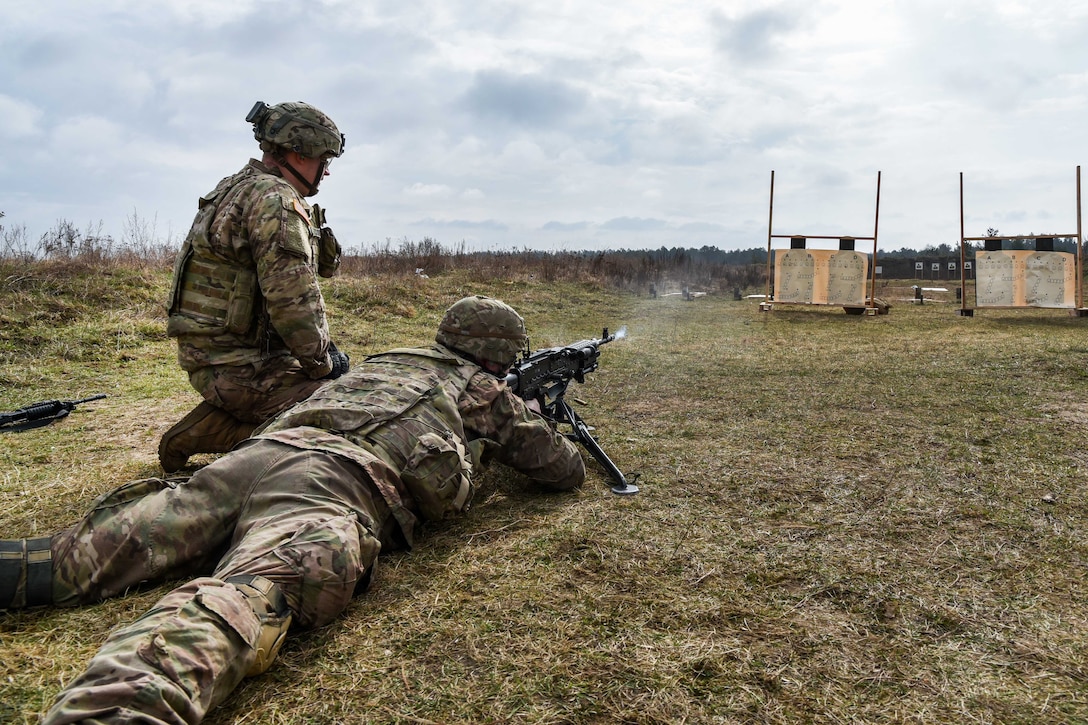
(39, 414)
(544, 376)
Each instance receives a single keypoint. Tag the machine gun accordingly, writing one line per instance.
(41, 414)
(544, 376)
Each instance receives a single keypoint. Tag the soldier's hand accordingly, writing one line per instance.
(340, 362)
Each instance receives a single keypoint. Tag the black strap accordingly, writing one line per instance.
(268, 589)
(36, 423)
(36, 558)
(11, 570)
(310, 185)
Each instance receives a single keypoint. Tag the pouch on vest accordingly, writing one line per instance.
(438, 476)
(214, 299)
(181, 262)
(328, 254)
(207, 296)
(328, 249)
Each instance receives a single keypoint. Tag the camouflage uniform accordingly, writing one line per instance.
(305, 505)
(245, 305)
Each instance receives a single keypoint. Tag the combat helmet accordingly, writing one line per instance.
(296, 126)
(483, 328)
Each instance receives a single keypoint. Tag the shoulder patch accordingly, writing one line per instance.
(296, 230)
(302, 211)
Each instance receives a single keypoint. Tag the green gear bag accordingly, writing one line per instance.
(328, 254)
(328, 249)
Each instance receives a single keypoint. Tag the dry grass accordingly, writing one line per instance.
(843, 519)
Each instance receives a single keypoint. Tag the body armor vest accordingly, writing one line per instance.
(409, 421)
(212, 293)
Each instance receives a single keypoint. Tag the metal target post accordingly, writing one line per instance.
(846, 242)
(765, 305)
(872, 270)
(1080, 253)
(1043, 243)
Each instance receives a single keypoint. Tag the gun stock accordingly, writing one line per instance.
(41, 414)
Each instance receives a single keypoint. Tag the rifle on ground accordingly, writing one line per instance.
(544, 376)
(41, 414)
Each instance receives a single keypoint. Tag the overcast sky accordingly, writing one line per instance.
(551, 124)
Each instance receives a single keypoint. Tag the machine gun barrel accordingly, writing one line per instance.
(537, 370)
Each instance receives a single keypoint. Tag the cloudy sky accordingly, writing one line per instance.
(551, 124)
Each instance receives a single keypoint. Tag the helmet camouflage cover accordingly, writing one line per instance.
(298, 127)
(485, 328)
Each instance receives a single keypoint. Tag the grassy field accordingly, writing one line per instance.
(843, 519)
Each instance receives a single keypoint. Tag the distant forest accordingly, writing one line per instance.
(706, 267)
(758, 255)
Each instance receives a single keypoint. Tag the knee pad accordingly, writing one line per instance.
(26, 573)
(268, 603)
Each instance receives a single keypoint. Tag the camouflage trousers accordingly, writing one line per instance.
(310, 522)
(254, 393)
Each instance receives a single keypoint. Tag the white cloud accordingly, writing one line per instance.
(89, 137)
(506, 124)
(428, 190)
(21, 119)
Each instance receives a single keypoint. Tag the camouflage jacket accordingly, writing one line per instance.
(245, 281)
(421, 421)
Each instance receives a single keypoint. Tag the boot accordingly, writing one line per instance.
(206, 429)
(26, 573)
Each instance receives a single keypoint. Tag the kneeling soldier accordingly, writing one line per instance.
(245, 304)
